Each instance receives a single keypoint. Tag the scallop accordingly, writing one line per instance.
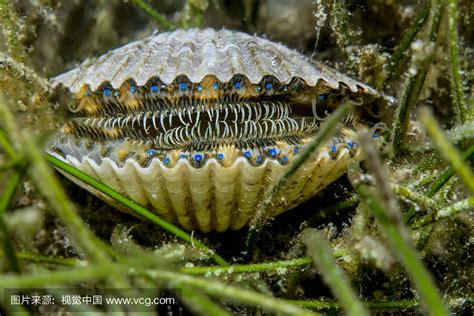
(198, 125)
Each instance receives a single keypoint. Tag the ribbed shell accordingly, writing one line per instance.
(212, 197)
(198, 53)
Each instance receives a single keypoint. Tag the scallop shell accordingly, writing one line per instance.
(212, 192)
(198, 53)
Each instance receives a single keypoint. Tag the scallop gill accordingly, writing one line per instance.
(198, 124)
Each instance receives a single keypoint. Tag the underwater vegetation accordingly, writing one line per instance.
(392, 236)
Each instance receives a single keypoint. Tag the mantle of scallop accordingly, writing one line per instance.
(214, 197)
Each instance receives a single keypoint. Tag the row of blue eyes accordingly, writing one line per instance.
(220, 156)
(184, 87)
(247, 154)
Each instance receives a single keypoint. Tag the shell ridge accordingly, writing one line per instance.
(301, 178)
(235, 208)
(178, 192)
(166, 194)
(200, 187)
(152, 179)
(106, 173)
(119, 74)
(98, 71)
(191, 210)
(251, 183)
(128, 179)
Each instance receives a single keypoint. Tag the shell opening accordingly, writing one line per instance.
(198, 121)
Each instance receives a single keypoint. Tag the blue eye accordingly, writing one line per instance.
(199, 88)
(116, 93)
(198, 157)
(285, 158)
(323, 97)
(259, 159)
(166, 161)
(220, 156)
(183, 86)
(247, 154)
(296, 150)
(351, 145)
(376, 135)
(238, 85)
(215, 86)
(182, 156)
(259, 87)
(333, 148)
(107, 92)
(272, 152)
(268, 86)
(150, 152)
(86, 94)
(133, 89)
(154, 89)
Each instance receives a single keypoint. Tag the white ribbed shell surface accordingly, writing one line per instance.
(212, 197)
(198, 53)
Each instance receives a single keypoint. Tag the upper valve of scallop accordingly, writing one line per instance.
(198, 125)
